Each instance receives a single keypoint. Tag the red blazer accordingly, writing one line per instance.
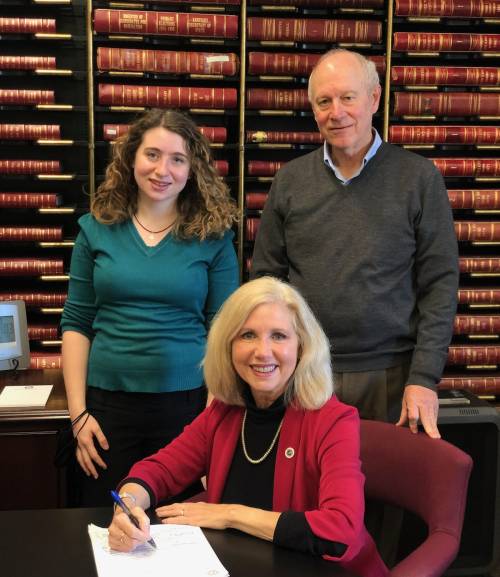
(317, 471)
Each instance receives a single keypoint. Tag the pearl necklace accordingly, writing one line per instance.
(151, 235)
(243, 444)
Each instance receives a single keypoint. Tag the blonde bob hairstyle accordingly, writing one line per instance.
(312, 383)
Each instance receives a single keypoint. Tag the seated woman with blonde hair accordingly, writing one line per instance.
(280, 452)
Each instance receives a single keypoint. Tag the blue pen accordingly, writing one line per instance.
(119, 501)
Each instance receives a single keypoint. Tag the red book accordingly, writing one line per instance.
(470, 167)
(30, 131)
(167, 96)
(255, 200)
(30, 233)
(294, 64)
(445, 42)
(448, 8)
(168, 62)
(477, 231)
(165, 23)
(264, 167)
(476, 385)
(27, 62)
(27, 25)
(30, 167)
(232, 2)
(277, 98)
(480, 199)
(212, 133)
(479, 265)
(222, 167)
(29, 200)
(42, 332)
(322, 3)
(473, 355)
(30, 266)
(282, 137)
(447, 103)
(313, 30)
(445, 75)
(444, 134)
(251, 228)
(45, 360)
(35, 300)
(483, 296)
(15, 96)
(476, 325)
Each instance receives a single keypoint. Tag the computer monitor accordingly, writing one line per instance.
(14, 343)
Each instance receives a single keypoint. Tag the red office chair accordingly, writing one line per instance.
(428, 477)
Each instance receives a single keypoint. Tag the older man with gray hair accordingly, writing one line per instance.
(364, 230)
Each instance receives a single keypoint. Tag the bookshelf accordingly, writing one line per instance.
(240, 68)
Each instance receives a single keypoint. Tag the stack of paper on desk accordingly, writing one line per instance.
(182, 551)
(24, 397)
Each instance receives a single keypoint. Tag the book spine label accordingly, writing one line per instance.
(29, 233)
(479, 296)
(477, 231)
(480, 199)
(27, 62)
(27, 25)
(444, 134)
(163, 61)
(165, 23)
(445, 75)
(167, 96)
(29, 267)
(314, 30)
(29, 131)
(471, 167)
(450, 8)
(276, 136)
(445, 42)
(484, 325)
(16, 96)
(30, 167)
(475, 264)
(275, 98)
(473, 355)
(447, 103)
(28, 200)
(36, 299)
(212, 133)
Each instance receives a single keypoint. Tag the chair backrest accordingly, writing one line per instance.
(426, 476)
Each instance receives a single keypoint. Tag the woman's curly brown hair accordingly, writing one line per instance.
(205, 207)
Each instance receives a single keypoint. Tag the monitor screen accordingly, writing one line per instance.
(14, 344)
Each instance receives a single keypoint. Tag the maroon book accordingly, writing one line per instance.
(444, 134)
(30, 131)
(482, 296)
(465, 355)
(167, 96)
(167, 61)
(29, 200)
(476, 385)
(165, 23)
(30, 167)
(313, 30)
(26, 97)
(277, 98)
(283, 137)
(31, 233)
(478, 199)
(469, 167)
(30, 266)
(446, 104)
(34, 300)
(448, 8)
(255, 200)
(445, 75)
(212, 133)
(350, 4)
(477, 231)
(45, 360)
(251, 228)
(479, 265)
(27, 25)
(43, 332)
(445, 42)
(264, 167)
(476, 325)
(27, 62)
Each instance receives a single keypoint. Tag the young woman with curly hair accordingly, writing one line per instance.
(152, 264)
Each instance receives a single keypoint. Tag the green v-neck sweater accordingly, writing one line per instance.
(376, 259)
(146, 310)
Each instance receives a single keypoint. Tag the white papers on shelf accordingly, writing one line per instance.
(22, 397)
(181, 550)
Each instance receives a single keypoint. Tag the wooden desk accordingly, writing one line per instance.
(29, 479)
(55, 543)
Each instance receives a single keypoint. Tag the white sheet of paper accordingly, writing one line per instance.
(13, 397)
(182, 551)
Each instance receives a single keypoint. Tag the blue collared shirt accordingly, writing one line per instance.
(377, 141)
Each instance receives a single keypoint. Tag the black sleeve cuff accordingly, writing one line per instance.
(293, 532)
